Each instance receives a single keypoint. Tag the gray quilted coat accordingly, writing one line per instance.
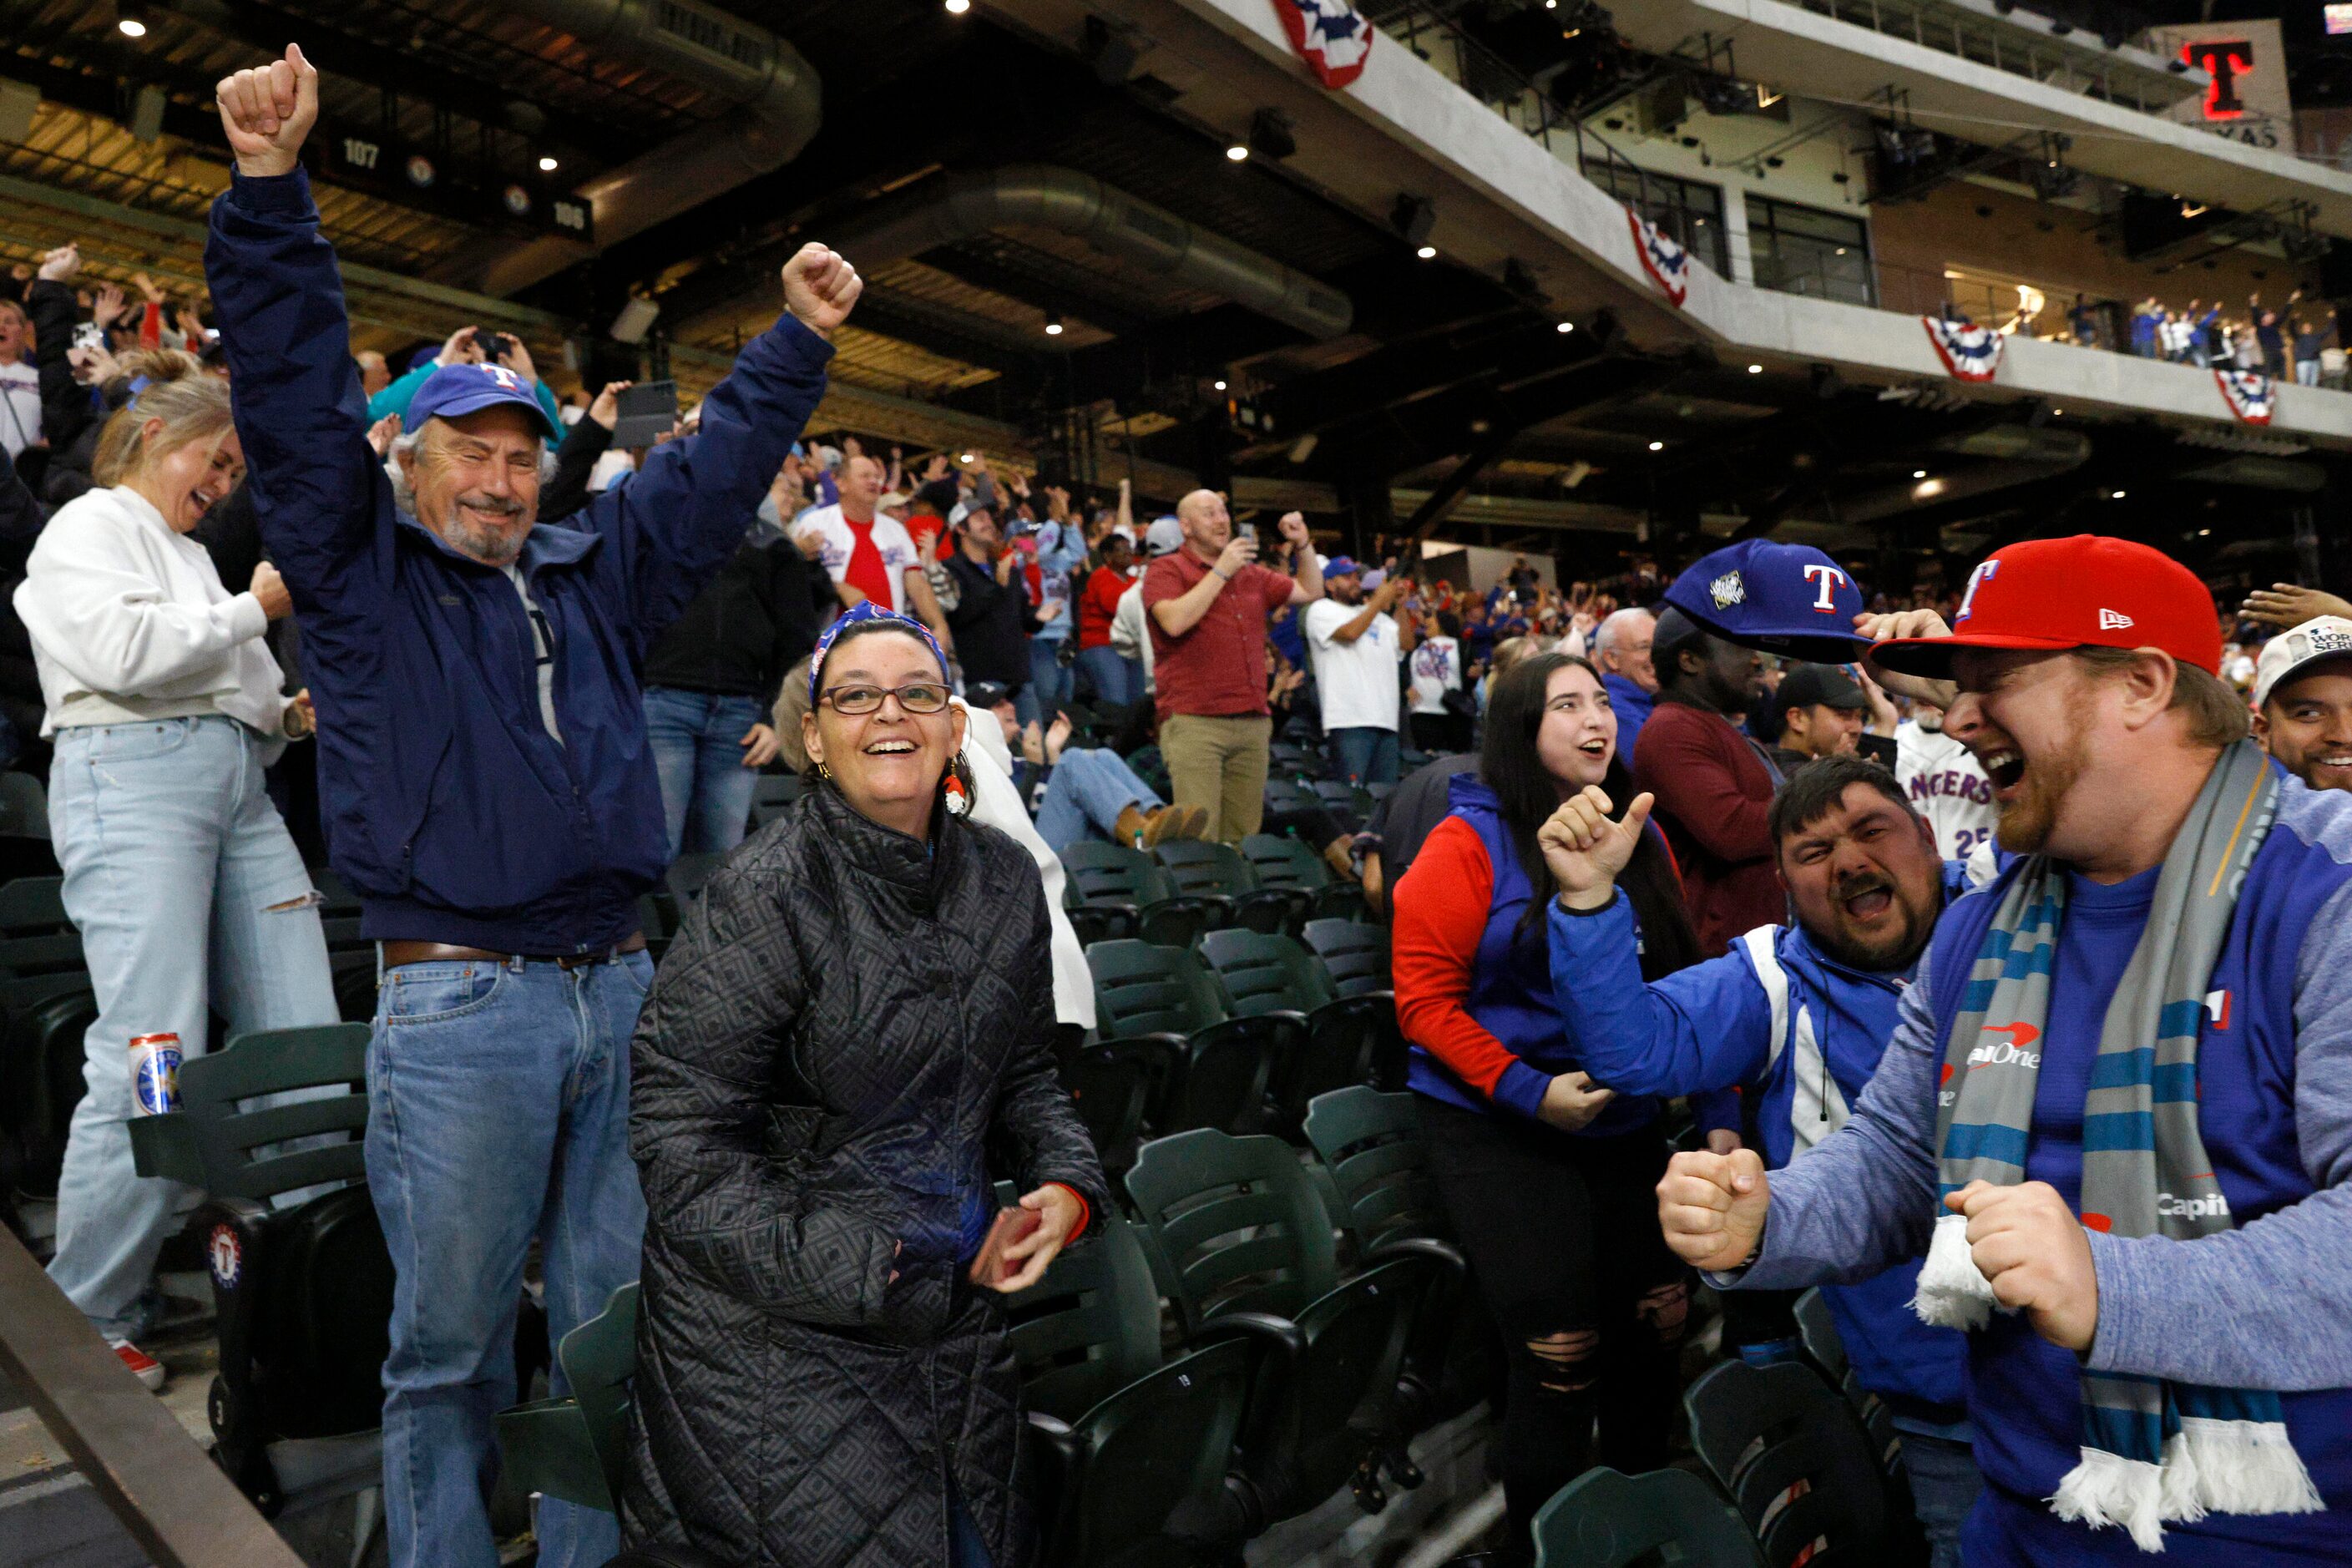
(848, 1041)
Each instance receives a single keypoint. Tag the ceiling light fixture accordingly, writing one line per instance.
(2117, 496)
(130, 20)
(1238, 151)
(1566, 327)
(1427, 253)
(1919, 473)
(958, 7)
(1219, 383)
(1657, 445)
(1053, 323)
(546, 163)
(1756, 369)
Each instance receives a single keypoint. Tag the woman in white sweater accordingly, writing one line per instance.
(188, 891)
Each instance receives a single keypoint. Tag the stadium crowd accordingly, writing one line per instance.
(1987, 943)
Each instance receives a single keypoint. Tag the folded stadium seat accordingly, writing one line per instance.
(1102, 922)
(1120, 876)
(1355, 956)
(576, 1448)
(1285, 863)
(353, 970)
(1410, 760)
(1289, 760)
(1273, 976)
(43, 1018)
(1605, 1520)
(1113, 1083)
(1819, 1331)
(1285, 794)
(302, 1296)
(1241, 1230)
(1136, 1454)
(1379, 791)
(1161, 1007)
(34, 905)
(23, 805)
(1338, 794)
(1218, 871)
(1794, 1460)
(26, 855)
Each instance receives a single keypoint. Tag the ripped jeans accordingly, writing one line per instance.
(1562, 1236)
(191, 899)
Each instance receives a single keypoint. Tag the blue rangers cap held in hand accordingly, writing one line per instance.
(1786, 599)
(459, 389)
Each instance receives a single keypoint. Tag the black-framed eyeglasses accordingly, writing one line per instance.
(923, 697)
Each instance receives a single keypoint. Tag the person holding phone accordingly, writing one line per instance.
(467, 345)
(848, 1045)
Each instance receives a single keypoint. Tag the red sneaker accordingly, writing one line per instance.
(140, 1365)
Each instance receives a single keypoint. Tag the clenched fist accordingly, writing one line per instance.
(267, 111)
(1711, 1207)
(2033, 1249)
(820, 286)
(1585, 850)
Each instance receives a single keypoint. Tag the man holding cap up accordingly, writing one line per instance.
(2117, 1104)
(2302, 702)
(1714, 785)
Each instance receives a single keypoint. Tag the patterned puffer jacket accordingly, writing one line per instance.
(849, 1042)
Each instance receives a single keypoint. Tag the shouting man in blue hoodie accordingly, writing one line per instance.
(1794, 1017)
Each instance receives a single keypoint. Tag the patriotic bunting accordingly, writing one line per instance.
(1330, 35)
(1667, 263)
(1970, 352)
(2252, 396)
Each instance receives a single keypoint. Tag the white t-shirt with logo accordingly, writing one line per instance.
(20, 407)
(1357, 680)
(1437, 670)
(890, 537)
(1948, 786)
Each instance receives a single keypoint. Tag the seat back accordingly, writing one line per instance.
(34, 905)
(23, 805)
(1238, 1223)
(1342, 1388)
(1263, 973)
(1102, 873)
(1794, 1460)
(1151, 1456)
(1282, 862)
(1285, 794)
(1607, 1519)
(224, 1141)
(1819, 1331)
(1090, 1327)
(1355, 956)
(1371, 1144)
(1142, 988)
(42, 1058)
(1818, 1328)
(576, 1447)
(1101, 922)
(319, 1324)
(1205, 870)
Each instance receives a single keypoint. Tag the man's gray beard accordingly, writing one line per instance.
(486, 545)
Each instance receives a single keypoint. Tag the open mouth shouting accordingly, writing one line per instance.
(1596, 748)
(2005, 764)
(1866, 899)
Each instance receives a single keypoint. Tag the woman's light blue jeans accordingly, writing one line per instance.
(190, 898)
(697, 745)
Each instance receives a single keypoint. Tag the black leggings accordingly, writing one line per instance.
(1562, 1236)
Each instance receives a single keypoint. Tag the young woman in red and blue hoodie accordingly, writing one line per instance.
(1548, 1179)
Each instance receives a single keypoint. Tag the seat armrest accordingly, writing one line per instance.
(166, 1146)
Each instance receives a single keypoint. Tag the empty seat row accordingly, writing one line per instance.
(1179, 891)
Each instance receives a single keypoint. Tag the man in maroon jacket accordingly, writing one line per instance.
(1713, 782)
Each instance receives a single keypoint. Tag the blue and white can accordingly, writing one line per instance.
(155, 1074)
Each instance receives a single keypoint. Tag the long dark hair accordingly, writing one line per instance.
(1509, 765)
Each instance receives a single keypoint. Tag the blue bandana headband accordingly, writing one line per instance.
(864, 613)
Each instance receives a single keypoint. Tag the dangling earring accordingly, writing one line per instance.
(824, 773)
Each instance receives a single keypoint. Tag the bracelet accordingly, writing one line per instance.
(1220, 576)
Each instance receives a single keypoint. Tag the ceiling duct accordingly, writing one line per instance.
(1117, 223)
(767, 94)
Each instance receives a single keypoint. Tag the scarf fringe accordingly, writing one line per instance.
(2246, 1467)
(2106, 1488)
(1953, 1291)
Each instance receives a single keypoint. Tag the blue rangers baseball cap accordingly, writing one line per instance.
(1786, 599)
(460, 389)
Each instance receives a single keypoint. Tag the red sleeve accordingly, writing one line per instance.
(1679, 761)
(151, 327)
(1274, 588)
(1442, 904)
(1162, 581)
(1086, 1209)
(1104, 591)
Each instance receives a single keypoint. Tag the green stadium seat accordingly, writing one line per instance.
(1605, 1520)
(1266, 975)
(23, 805)
(1119, 877)
(1795, 1461)
(575, 1447)
(1355, 957)
(1218, 871)
(1165, 1000)
(1818, 1329)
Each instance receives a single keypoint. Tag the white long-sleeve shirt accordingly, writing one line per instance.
(129, 623)
(997, 803)
(1131, 634)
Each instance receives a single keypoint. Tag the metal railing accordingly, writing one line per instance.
(1981, 40)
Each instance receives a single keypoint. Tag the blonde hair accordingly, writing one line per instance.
(193, 405)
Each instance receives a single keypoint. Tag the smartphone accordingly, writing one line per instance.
(646, 414)
(494, 345)
(1249, 531)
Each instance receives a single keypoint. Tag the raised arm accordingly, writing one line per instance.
(703, 1068)
(279, 302)
(671, 528)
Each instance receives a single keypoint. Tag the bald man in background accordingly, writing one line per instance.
(1207, 605)
(374, 374)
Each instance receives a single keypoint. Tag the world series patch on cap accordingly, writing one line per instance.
(2289, 654)
(1787, 599)
(2089, 591)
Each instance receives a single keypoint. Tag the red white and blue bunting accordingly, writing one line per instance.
(2252, 396)
(1667, 262)
(1970, 352)
(1330, 35)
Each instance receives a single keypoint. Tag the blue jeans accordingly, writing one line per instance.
(1364, 755)
(1944, 1487)
(1115, 677)
(1088, 788)
(190, 896)
(697, 745)
(498, 1109)
(1051, 682)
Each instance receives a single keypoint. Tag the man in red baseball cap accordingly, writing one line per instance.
(2113, 1061)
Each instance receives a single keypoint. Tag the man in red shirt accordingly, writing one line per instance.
(1208, 603)
(1713, 784)
(871, 556)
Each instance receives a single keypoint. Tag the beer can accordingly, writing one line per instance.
(155, 1073)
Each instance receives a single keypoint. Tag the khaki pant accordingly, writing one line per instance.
(1219, 766)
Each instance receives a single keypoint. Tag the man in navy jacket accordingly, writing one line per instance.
(487, 786)
(1795, 1016)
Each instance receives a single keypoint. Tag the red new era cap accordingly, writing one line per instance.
(2083, 591)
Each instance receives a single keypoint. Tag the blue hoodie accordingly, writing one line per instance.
(1712, 1026)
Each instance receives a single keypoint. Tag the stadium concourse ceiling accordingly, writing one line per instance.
(534, 165)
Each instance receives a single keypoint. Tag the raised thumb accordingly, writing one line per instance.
(1637, 815)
